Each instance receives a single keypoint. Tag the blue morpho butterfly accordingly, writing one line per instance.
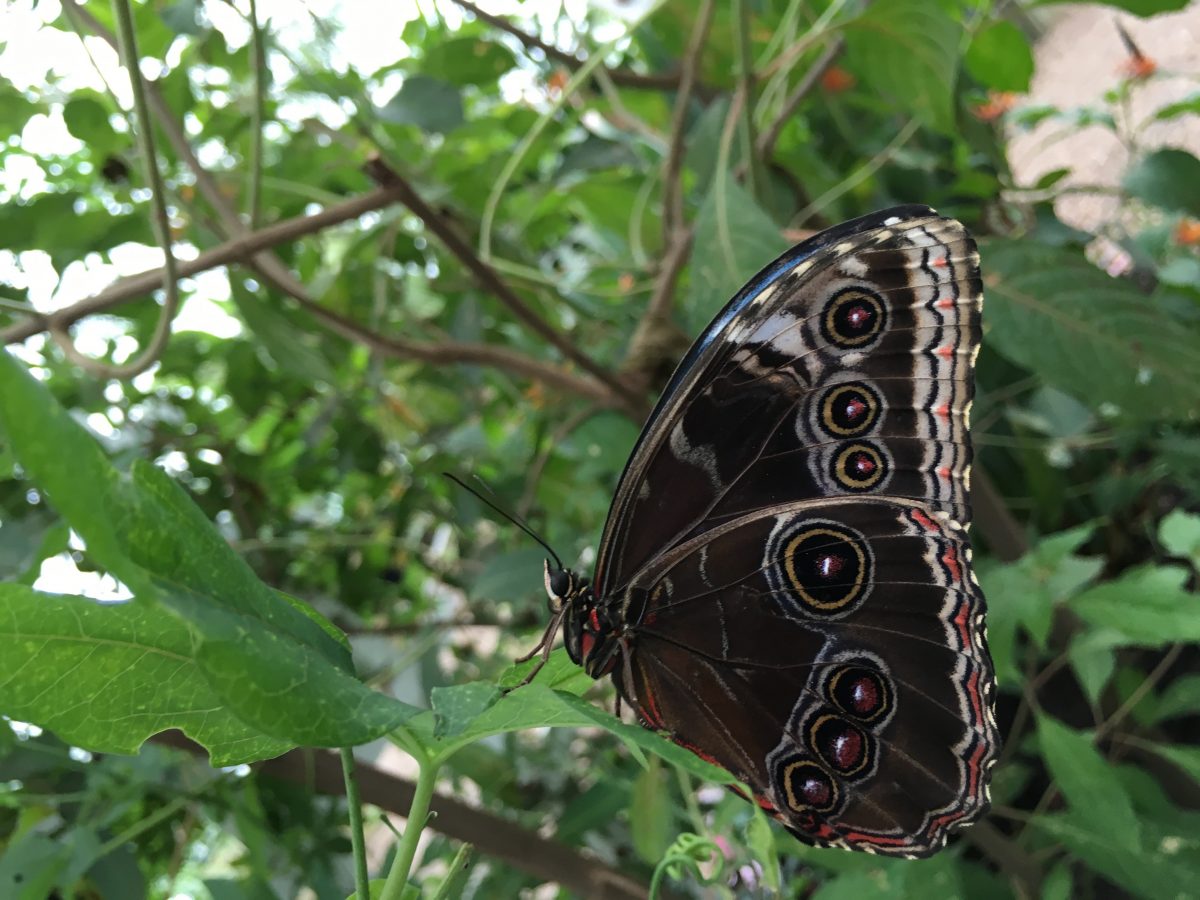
(784, 583)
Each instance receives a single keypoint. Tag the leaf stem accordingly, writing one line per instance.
(362, 878)
(418, 812)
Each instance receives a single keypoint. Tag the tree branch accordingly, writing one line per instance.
(672, 213)
(626, 78)
(239, 249)
(491, 281)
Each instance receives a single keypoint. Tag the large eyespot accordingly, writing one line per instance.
(824, 565)
(859, 692)
(853, 318)
(844, 747)
(860, 466)
(807, 786)
(849, 409)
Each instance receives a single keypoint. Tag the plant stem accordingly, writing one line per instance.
(354, 810)
(417, 814)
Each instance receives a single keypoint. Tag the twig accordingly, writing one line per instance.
(766, 142)
(239, 249)
(500, 838)
(491, 281)
(624, 77)
(162, 225)
(672, 214)
(258, 57)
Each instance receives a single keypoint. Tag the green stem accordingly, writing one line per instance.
(417, 814)
(362, 879)
(142, 826)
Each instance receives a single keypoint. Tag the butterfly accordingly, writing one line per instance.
(784, 582)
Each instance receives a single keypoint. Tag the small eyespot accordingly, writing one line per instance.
(849, 409)
(860, 466)
(806, 786)
(860, 693)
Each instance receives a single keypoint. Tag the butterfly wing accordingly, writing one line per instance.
(844, 367)
(787, 547)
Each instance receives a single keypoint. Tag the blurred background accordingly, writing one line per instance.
(448, 236)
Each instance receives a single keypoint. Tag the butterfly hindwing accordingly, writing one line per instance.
(832, 655)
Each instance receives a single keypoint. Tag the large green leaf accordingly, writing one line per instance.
(1149, 605)
(734, 239)
(1128, 356)
(1137, 7)
(999, 57)
(1167, 178)
(277, 664)
(908, 51)
(428, 103)
(1087, 780)
(107, 676)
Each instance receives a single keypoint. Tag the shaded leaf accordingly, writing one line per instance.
(1128, 355)
(999, 57)
(107, 676)
(428, 103)
(734, 239)
(907, 50)
(1148, 605)
(1086, 780)
(1167, 178)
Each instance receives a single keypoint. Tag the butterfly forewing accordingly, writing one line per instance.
(785, 566)
(843, 368)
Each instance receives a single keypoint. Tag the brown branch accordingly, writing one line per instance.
(766, 142)
(239, 249)
(503, 839)
(626, 78)
(491, 281)
(672, 213)
(608, 392)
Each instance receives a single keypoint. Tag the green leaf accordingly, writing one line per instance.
(1087, 780)
(467, 60)
(454, 708)
(1144, 8)
(1024, 594)
(760, 839)
(1179, 532)
(1169, 179)
(999, 57)
(87, 119)
(1185, 757)
(292, 349)
(1129, 356)
(650, 814)
(30, 866)
(1093, 659)
(1181, 698)
(428, 103)
(140, 524)
(734, 239)
(455, 883)
(281, 686)
(1148, 605)
(1187, 106)
(107, 676)
(908, 50)
(1150, 872)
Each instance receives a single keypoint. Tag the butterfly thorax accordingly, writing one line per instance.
(591, 633)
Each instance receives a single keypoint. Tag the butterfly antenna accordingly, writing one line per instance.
(512, 517)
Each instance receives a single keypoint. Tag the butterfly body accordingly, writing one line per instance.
(784, 583)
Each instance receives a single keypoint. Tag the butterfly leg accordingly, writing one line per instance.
(544, 646)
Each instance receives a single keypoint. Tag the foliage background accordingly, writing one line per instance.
(485, 256)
